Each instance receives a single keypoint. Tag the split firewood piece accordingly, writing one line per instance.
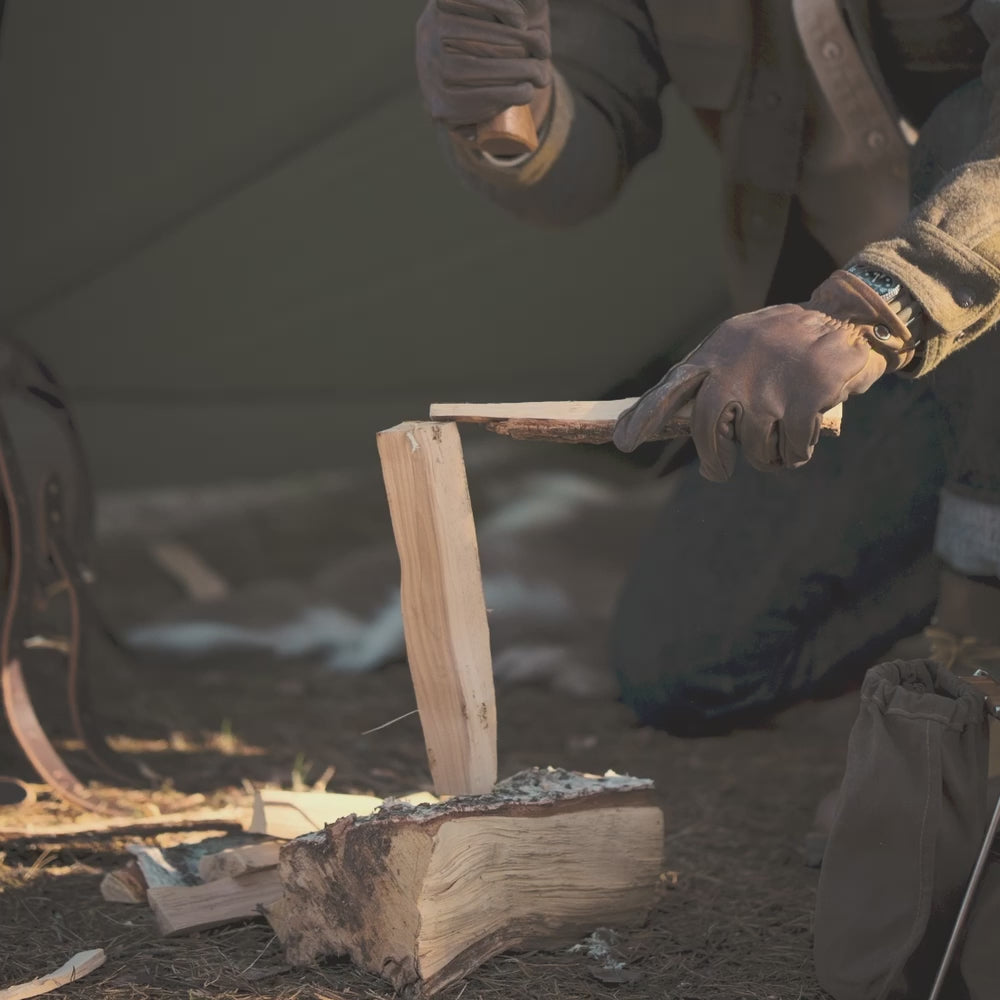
(179, 865)
(189, 908)
(423, 895)
(284, 815)
(573, 421)
(80, 965)
(124, 885)
(230, 818)
(236, 861)
(149, 867)
(444, 612)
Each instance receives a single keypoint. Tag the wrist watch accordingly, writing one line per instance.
(890, 289)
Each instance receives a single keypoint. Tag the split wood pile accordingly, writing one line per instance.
(221, 880)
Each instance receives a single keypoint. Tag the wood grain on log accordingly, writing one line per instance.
(80, 965)
(572, 421)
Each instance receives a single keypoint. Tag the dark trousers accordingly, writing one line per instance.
(775, 587)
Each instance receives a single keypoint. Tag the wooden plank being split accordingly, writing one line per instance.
(444, 613)
(423, 895)
(80, 965)
(284, 815)
(572, 421)
(189, 908)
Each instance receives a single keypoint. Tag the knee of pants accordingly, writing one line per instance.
(688, 698)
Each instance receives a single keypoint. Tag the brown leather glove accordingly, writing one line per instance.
(762, 380)
(477, 57)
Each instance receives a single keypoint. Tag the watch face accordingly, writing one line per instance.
(885, 284)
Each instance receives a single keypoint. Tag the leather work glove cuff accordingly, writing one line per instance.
(847, 298)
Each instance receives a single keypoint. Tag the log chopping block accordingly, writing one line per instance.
(423, 894)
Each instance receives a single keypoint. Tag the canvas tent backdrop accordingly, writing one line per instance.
(231, 230)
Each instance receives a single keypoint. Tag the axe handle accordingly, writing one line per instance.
(510, 133)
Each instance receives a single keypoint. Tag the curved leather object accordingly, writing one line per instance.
(46, 491)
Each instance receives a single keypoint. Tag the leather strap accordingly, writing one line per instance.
(20, 711)
(881, 138)
(44, 488)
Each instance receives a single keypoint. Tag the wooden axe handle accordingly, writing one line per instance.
(510, 133)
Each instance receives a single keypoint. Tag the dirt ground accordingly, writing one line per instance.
(732, 920)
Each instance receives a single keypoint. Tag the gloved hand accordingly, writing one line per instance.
(477, 57)
(761, 380)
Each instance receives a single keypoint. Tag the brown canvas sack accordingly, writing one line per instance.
(909, 823)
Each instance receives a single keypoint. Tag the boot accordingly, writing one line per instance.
(964, 634)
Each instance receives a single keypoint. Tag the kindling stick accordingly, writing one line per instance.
(574, 421)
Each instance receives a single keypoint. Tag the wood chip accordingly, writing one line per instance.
(77, 967)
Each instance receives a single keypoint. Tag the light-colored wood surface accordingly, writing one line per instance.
(444, 612)
(573, 421)
(124, 885)
(77, 967)
(510, 133)
(189, 908)
(195, 819)
(434, 894)
(238, 861)
(556, 410)
(284, 815)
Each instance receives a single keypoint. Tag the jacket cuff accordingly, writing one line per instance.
(523, 171)
(958, 288)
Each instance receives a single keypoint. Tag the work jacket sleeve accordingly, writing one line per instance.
(605, 117)
(948, 251)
